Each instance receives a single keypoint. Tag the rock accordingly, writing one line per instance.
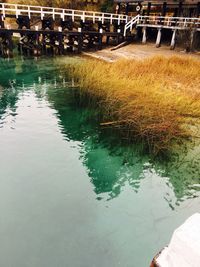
(184, 247)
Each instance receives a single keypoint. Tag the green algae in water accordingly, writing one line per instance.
(72, 194)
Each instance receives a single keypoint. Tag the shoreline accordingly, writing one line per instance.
(138, 51)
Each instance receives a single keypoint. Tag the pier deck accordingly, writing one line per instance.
(76, 30)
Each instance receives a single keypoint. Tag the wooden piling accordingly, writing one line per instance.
(60, 32)
(158, 39)
(80, 43)
(144, 36)
(173, 40)
(192, 34)
(100, 41)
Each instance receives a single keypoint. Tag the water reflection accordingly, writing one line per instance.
(184, 170)
(111, 165)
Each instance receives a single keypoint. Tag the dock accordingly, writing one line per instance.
(46, 29)
(43, 30)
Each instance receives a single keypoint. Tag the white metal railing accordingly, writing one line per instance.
(17, 10)
(165, 22)
(170, 22)
(131, 24)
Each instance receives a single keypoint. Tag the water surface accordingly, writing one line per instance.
(72, 195)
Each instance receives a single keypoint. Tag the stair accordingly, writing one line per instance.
(131, 24)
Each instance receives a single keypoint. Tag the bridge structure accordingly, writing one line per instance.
(42, 30)
(187, 25)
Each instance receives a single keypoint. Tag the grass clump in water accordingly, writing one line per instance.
(156, 100)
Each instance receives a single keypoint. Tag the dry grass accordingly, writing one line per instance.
(154, 100)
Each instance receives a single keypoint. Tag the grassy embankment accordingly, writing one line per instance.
(156, 101)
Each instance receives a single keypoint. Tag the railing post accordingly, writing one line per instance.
(93, 17)
(125, 29)
(103, 18)
(53, 14)
(42, 15)
(131, 26)
(111, 19)
(118, 19)
(83, 16)
(137, 19)
(63, 15)
(29, 13)
(3, 11)
(16, 11)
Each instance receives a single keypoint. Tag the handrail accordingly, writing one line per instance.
(168, 17)
(161, 21)
(131, 23)
(183, 22)
(62, 13)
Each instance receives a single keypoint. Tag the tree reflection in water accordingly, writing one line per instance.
(111, 164)
(103, 153)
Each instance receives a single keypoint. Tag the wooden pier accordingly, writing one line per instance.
(42, 30)
(189, 26)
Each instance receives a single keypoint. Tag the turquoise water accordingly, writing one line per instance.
(72, 194)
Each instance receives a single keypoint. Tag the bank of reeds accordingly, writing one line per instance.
(156, 100)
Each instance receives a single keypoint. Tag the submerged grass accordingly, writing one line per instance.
(156, 100)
